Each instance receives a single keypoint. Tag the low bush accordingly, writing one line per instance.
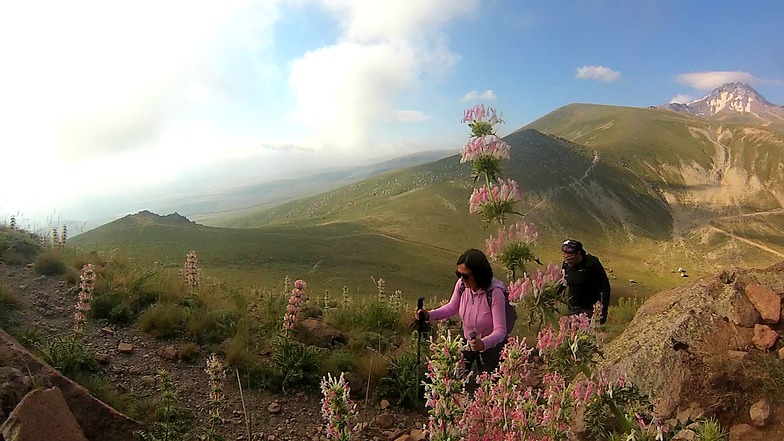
(69, 355)
(400, 385)
(162, 321)
(18, 247)
(189, 352)
(297, 363)
(50, 263)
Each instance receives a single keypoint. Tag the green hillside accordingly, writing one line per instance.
(645, 189)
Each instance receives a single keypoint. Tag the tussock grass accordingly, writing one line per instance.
(50, 263)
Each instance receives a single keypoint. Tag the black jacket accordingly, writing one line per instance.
(587, 284)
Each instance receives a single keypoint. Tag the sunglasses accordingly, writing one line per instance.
(463, 276)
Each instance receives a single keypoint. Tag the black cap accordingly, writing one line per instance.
(572, 247)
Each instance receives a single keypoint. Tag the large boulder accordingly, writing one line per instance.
(678, 337)
(98, 421)
(42, 415)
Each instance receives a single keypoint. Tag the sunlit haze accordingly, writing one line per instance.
(105, 105)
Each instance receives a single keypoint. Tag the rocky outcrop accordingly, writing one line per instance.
(679, 335)
(42, 415)
(98, 421)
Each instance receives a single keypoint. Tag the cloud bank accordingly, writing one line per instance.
(712, 80)
(599, 73)
(487, 95)
(385, 49)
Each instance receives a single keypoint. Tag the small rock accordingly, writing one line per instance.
(107, 330)
(148, 380)
(274, 407)
(102, 358)
(685, 435)
(743, 432)
(760, 413)
(781, 354)
(125, 348)
(417, 435)
(384, 421)
(167, 352)
(384, 404)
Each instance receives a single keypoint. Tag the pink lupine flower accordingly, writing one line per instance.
(192, 271)
(294, 306)
(496, 201)
(512, 246)
(336, 408)
(85, 296)
(216, 373)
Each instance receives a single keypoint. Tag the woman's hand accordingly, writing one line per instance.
(425, 314)
(476, 344)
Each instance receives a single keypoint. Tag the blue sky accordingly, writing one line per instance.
(129, 101)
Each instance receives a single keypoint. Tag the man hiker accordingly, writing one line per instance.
(586, 281)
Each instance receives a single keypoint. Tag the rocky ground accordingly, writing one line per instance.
(130, 359)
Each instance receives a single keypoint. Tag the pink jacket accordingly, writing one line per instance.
(476, 314)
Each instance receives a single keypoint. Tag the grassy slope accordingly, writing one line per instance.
(600, 176)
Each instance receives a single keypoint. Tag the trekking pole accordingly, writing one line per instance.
(420, 330)
(472, 336)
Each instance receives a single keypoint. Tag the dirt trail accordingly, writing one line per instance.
(747, 241)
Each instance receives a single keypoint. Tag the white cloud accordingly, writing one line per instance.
(385, 50)
(409, 116)
(600, 73)
(681, 99)
(97, 94)
(712, 80)
(487, 95)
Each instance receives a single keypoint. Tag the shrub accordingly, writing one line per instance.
(7, 304)
(68, 354)
(188, 352)
(400, 385)
(211, 326)
(50, 263)
(366, 316)
(162, 321)
(338, 361)
(297, 363)
(18, 247)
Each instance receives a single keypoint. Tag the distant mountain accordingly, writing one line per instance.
(736, 102)
(649, 190)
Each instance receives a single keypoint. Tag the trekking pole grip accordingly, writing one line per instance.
(420, 315)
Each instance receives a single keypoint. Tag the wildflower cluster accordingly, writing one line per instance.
(495, 198)
(345, 300)
(63, 237)
(55, 238)
(495, 201)
(293, 308)
(572, 348)
(512, 247)
(85, 296)
(540, 293)
(192, 271)
(381, 291)
(216, 372)
(396, 300)
(445, 392)
(337, 409)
